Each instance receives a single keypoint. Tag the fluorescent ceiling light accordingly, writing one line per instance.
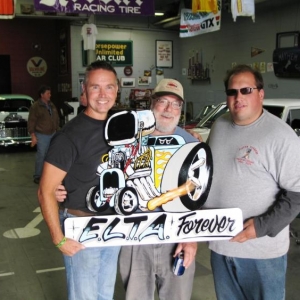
(158, 13)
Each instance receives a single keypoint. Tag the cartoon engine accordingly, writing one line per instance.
(147, 173)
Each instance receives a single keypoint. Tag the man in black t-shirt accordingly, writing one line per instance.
(72, 158)
(83, 103)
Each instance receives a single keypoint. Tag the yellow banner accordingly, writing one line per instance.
(204, 6)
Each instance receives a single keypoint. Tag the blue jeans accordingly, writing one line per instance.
(249, 279)
(43, 142)
(91, 273)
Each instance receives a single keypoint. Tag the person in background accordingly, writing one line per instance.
(83, 103)
(72, 158)
(256, 168)
(43, 122)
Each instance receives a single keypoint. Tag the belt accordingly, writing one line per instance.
(77, 212)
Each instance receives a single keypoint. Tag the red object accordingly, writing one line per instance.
(7, 7)
(190, 125)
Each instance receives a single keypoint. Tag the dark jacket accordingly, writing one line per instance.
(41, 119)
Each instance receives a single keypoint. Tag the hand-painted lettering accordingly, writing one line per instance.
(211, 225)
(89, 231)
(155, 228)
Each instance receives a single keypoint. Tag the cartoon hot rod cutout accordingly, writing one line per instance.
(147, 173)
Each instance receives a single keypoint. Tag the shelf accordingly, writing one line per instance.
(200, 79)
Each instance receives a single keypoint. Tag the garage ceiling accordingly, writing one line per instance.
(170, 8)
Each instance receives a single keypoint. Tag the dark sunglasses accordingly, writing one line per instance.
(243, 91)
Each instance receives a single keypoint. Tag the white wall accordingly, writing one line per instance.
(232, 44)
(143, 54)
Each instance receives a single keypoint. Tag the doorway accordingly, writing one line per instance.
(5, 79)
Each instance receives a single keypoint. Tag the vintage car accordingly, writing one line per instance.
(286, 109)
(145, 173)
(14, 111)
(203, 112)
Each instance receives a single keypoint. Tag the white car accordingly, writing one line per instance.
(286, 109)
(14, 111)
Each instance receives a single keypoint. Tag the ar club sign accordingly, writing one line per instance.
(36, 66)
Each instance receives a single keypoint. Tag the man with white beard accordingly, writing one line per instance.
(146, 267)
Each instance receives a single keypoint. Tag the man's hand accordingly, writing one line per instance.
(196, 135)
(189, 250)
(248, 232)
(50, 180)
(71, 247)
(60, 193)
(33, 140)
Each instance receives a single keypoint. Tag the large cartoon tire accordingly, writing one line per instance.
(93, 200)
(192, 161)
(126, 201)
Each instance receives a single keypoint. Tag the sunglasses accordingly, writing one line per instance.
(243, 91)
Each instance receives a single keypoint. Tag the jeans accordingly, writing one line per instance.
(249, 279)
(43, 142)
(91, 273)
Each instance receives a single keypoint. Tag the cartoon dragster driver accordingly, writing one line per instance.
(146, 172)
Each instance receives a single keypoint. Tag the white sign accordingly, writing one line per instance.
(36, 66)
(199, 23)
(155, 228)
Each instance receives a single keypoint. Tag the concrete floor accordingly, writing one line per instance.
(31, 268)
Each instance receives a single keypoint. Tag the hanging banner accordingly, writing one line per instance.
(204, 6)
(199, 23)
(104, 7)
(256, 51)
(7, 9)
(118, 53)
(244, 8)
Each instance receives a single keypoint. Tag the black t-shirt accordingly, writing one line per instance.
(78, 149)
(80, 108)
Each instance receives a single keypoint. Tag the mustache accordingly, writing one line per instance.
(167, 115)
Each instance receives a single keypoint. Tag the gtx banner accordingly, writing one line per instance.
(199, 23)
(104, 7)
(155, 228)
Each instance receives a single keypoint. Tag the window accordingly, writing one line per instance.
(13, 105)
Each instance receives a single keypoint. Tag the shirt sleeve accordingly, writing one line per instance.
(32, 117)
(284, 211)
(62, 152)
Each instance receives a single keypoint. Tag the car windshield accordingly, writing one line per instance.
(212, 117)
(275, 110)
(13, 105)
(208, 122)
(204, 112)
